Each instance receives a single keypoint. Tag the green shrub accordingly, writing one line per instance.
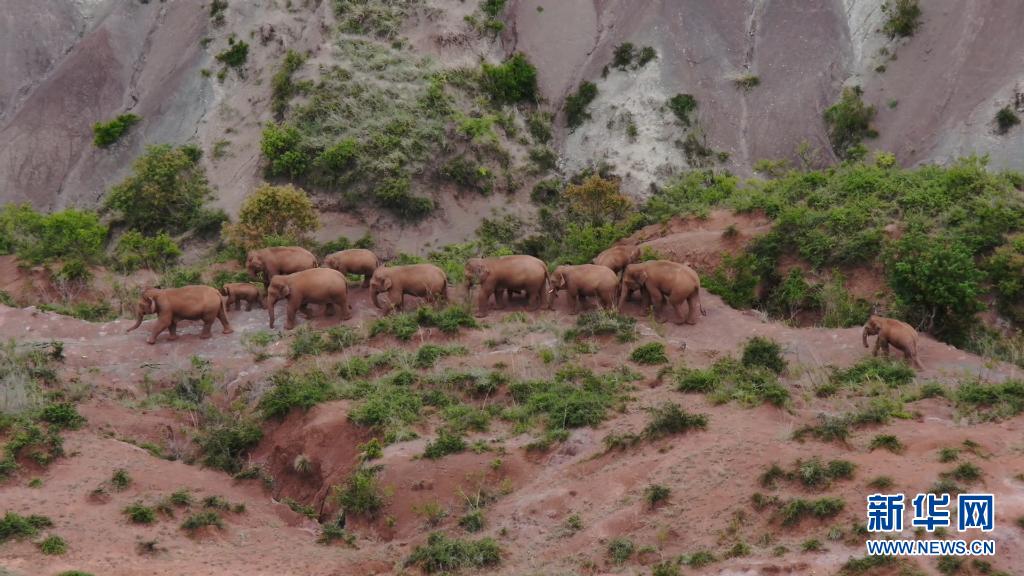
(514, 80)
(903, 18)
(468, 174)
(682, 105)
(308, 342)
(446, 443)
(622, 56)
(887, 442)
(893, 374)
(763, 352)
(656, 494)
(225, 438)
(965, 472)
(71, 235)
(994, 401)
(473, 521)
(295, 390)
(235, 55)
(372, 17)
(645, 55)
(446, 555)
(284, 211)
(620, 550)
(178, 277)
(16, 527)
(601, 323)
(333, 531)
(576, 104)
(62, 415)
(668, 418)
(165, 192)
(729, 380)
(139, 513)
(848, 122)
(649, 354)
(700, 558)
(429, 354)
(107, 133)
(281, 85)
(201, 520)
(361, 495)
(53, 545)
(666, 568)
(1006, 118)
(794, 511)
(120, 479)
(135, 251)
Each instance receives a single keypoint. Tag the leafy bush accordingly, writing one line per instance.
(620, 550)
(650, 353)
(656, 494)
(53, 545)
(443, 554)
(164, 193)
(284, 211)
(601, 323)
(887, 442)
(669, 418)
(37, 238)
(235, 55)
(576, 104)
(16, 527)
(281, 85)
(904, 17)
(446, 443)
(848, 122)
(682, 105)
(361, 495)
(514, 80)
(224, 439)
(1006, 118)
(992, 401)
(309, 342)
(763, 352)
(139, 513)
(576, 397)
(893, 374)
(473, 521)
(201, 520)
(728, 380)
(134, 251)
(61, 415)
(379, 18)
(794, 511)
(107, 133)
(295, 390)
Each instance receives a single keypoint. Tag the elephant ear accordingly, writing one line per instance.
(286, 290)
(642, 277)
(387, 283)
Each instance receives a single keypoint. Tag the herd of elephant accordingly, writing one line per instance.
(294, 274)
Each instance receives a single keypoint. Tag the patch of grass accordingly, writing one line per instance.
(682, 105)
(666, 568)
(728, 380)
(812, 545)
(903, 18)
(649, 354)
(512, 81)
(225, 438)
(181, 498)
(603, 322)
(120, 479)
(838, 428)
(295, 390)
(887, 442)
(848, 122)
(881, 483)
(747, 82)
(332, 532)
(965, 472)
(446, 443)
(794, 511)
(53, 545)
(990, 402)
(139, 513)
(473, 521)
(308, 342)
(891, 373)
(201, 520)
(620, 550)
(429, 354)
(576, 397)
(444, 554)
(700, 559)
(1006, 118)
(576, 105)
(235, 55)
(763, 352)
(16, 527)
(361, 494)
(668, 418)
(950, 565)
(656, 494)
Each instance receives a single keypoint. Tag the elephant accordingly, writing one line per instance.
(313, 286)
(238, 292)
(582, 281)
(422, 280)
(618, 257)
(354, 261)
(186, 303)
(892, 331)
(278, 260)
(504, 274)
(660, 280)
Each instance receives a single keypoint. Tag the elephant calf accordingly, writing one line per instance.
(582, 281)
(186, 303)
(238, 292)
(664, 280)
(894, 332)
(354, 261)
(421, 280)
(314, 286)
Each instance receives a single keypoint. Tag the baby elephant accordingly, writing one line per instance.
(354, 261)
(238, 292)
(186, 303)
(314, 286)
(582, 281)
(892, 331)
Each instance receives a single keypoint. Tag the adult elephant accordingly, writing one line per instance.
(664, 280)
(892, 332)
(421, 280)
(314, 286)
(618, 257)
(582, 281)
(354, 261)
(186, 303)
(497, 276)
(270, 262)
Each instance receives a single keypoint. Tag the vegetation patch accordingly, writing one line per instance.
(576, 104)
(361, 494)
(443, 554)
(649, 354)
(1006, 118)
(107, 133)
(903, 17)
(727, 380)
(990, 401)
(849, 122)
(601, 323)
(16, 527)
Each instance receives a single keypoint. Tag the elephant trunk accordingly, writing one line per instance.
(270, 309)
(623, 294)
(864, 336)
(138, 322)
(373, 298)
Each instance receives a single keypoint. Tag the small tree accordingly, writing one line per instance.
(164, 193)
(596, 201)
(849, 121)
(282, 211)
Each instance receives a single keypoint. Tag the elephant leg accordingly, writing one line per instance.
(885, 349)
(366, 280)
(501, 298)
(346, 311)
(655, 297)
(172, 330)
(305, 310)
(481, 301)
(574, 302)
(222, 315)
(607, 299)
(693, 303)
(534, 297)
(292, 308)
(878, 342)
(328, 308)
(207, 325)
